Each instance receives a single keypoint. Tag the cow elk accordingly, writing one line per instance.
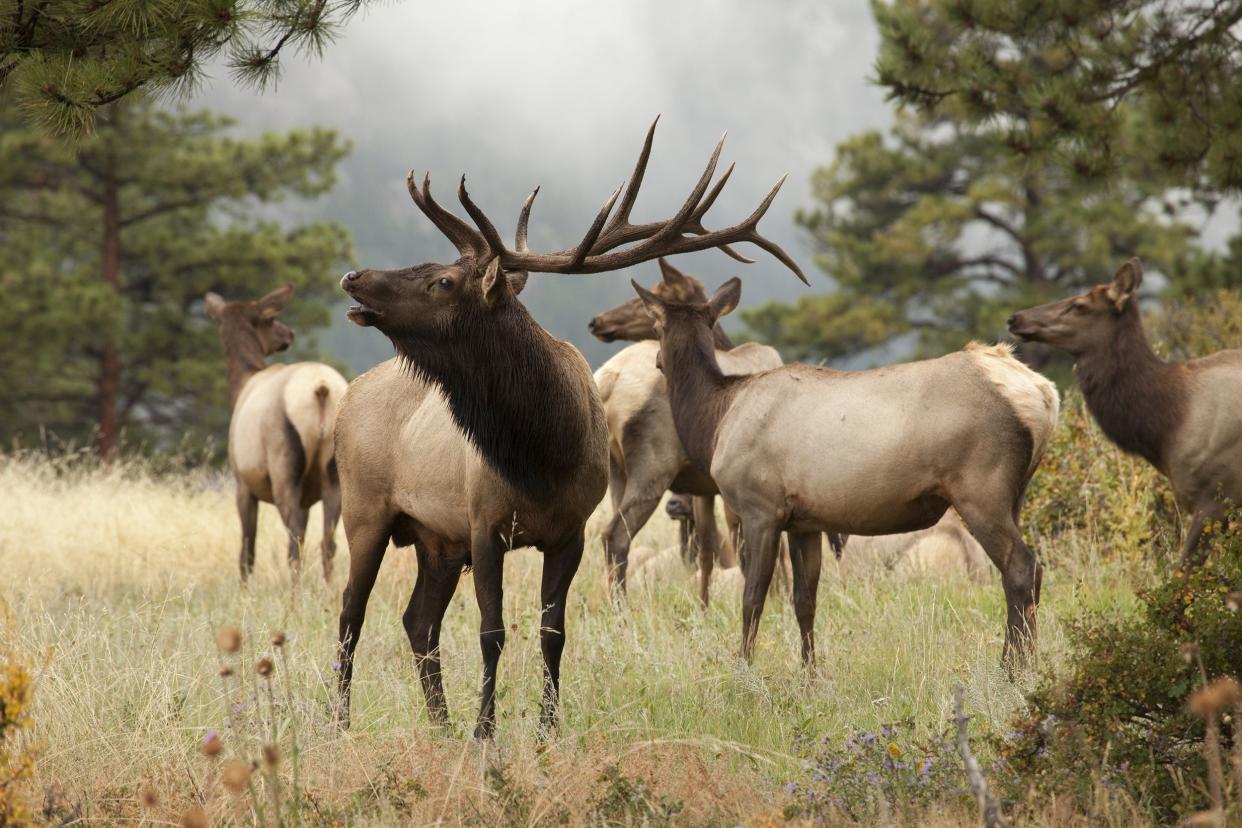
(281, 429)
(485, 433)
(645, 455)
(809, 449)
(1183, 418)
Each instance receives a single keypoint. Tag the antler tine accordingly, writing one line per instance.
(519, 238)
(592, 234)
(464, 237)
(695, 225)
(675, 225)
(622, 216)
(490, 234)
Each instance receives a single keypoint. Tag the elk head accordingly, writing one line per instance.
(1085, 322)
(685, 328)
(630, 321)
(429, 305)
(250, 323)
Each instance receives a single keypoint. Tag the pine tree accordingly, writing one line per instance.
(60, 60)
(1065, 79)
(107, 247)
(937, 231)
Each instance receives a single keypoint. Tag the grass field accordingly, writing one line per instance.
(116, 582)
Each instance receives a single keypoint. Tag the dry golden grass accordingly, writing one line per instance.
(118, 580)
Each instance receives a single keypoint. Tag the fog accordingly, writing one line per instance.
(560, 93)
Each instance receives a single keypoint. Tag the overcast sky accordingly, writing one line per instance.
(559, 93)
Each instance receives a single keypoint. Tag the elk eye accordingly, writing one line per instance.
(445, 282)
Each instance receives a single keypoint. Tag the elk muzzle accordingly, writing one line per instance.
(354, 283)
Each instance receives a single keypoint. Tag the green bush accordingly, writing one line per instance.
(1118, 712)
(1087, 484)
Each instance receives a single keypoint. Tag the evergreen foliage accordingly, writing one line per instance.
(107, 247)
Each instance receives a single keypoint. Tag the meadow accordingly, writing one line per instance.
(118, 580)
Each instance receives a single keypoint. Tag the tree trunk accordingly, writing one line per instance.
(109, 382)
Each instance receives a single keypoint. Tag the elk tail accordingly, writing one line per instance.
(321, 399)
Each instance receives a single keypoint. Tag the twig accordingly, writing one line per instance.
(989, 808)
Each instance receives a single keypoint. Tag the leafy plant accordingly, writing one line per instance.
(1118, 712)
(870, 772)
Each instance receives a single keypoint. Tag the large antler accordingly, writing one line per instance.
(683, 233)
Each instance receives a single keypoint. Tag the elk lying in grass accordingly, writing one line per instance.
(280, 434)
(1183, 418)
(486, 434)
(645, 455)
(809, 449)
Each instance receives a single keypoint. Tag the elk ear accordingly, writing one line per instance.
(726, 299)
(213, 306)
(653, 303)
(1125, 283)
(273, 303)
(671, 275)
(494, 282)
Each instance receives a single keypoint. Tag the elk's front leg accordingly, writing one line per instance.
(248, 511)
(487, 559)
(433, 590)
(559, 567)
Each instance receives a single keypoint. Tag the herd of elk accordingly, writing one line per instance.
(808, 449)
(282, 426)
(1183, 418)
(485, 433)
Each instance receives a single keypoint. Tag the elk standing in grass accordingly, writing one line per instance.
(281, 430)
(1183, 418)
(810, 449)
(646, 457)
(486, 434)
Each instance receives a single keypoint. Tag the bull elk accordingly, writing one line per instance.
(1183, 418)
(485, 433)
(281, 429)
(809, 449)
(645, 455)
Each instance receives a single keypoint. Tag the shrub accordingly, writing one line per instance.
(1087, 484)
(17, 757)
(1118, 710)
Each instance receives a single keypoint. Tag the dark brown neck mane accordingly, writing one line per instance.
(1137, 398)
(699, 392)
(512, 393)
(244, 354)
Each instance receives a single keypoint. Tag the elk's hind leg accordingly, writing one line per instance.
(248, 511)
(643, 493)
(559, 567)
(331, 514)
(434, 586)
(993, 526)
(806, 558)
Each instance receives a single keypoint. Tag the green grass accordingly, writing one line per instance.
(117, 580)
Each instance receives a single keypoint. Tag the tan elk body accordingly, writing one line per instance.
(486, 434)
(281, 429)
(810, 449)
(646, 457)
(1183, 418)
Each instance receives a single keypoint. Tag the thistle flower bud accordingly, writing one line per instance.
(212, 744)
(235, 775)
(271, 755)
(229, 639)
(226, 671)
(194, 818)
(150, 799)
(264, 667)
(1189, 651)
(278, 638)
(1234, 601)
